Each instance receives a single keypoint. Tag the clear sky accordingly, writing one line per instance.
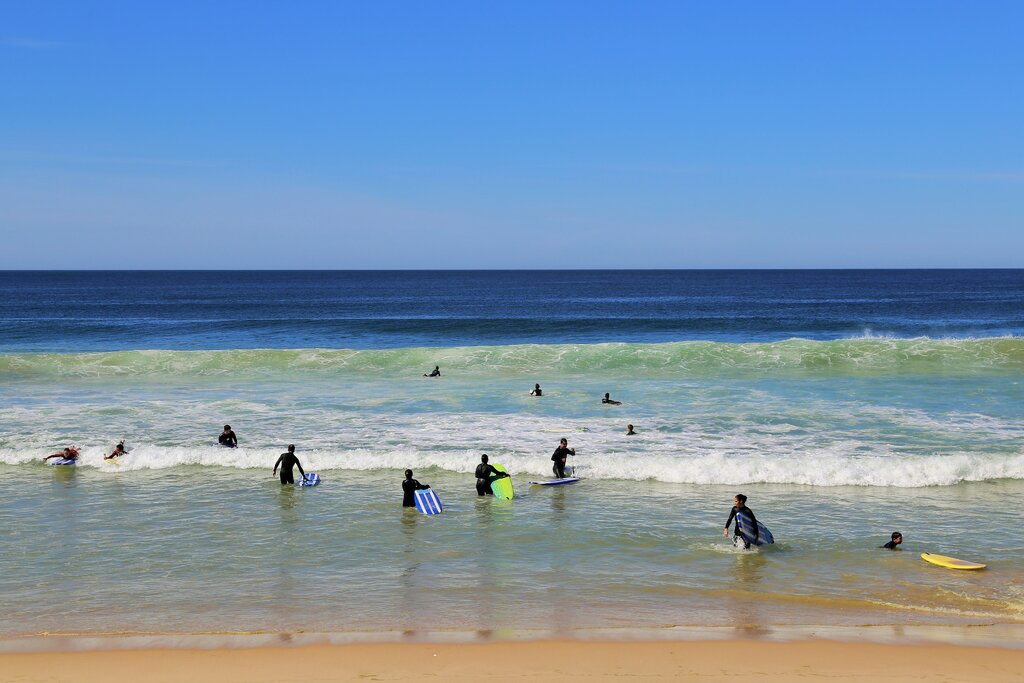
(450, 134)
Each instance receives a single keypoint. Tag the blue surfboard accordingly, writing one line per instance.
(556, 482)
(746, 528)
(427, 502)
(311, 479)
(63, 461)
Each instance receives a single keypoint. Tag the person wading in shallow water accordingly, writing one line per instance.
(485, 474)
(286, 462)
(559, 457)
(409, 487)
(894, 542)
(740, 505)
(228, 438)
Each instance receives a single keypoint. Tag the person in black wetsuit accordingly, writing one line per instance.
(559, 457)
(408, 486)
(894, 544)
(228, 438)
(740, 505)
(608, 400)
(485, 474)
(629, 430)
(436, 372)
(536, 391)
(286, 462)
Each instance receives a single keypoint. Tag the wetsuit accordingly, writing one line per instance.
(484, 478)
(736, 528)
(891, 545)
(228, 439)
(536, 392)
(434, 373)
(287, 461)
(559, 457)
(408, 486)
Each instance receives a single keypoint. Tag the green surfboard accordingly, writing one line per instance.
(502, 488)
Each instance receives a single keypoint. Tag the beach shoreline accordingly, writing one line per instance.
(533, 660)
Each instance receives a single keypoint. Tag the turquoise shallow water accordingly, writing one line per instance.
(837, 443)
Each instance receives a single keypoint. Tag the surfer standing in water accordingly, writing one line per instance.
(485, 474)
(894, 542)
(559, 457)
(409, 486)
(228, 438)
(740, 505)
(536, 391)
(287, 461)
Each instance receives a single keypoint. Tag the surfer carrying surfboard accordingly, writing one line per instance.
(485, 474)
(287, 461)
(559, 457)
(409, 487)
(740, 506)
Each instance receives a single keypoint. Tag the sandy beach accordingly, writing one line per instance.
(731, 660)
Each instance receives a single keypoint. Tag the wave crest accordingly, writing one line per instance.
(861, 356)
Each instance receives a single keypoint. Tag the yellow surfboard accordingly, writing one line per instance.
(950, 562)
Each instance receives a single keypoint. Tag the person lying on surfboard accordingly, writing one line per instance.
(118, 451)
(67, 454)
(740, 505)
(485, 474)
(409, 486)
(893, 544)
(436, 372)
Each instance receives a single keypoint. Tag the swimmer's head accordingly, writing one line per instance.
(564, 441)
(897, 537)
(291, 448)
(483, 458)
(408, 474)
(227, 428)
(741, 499)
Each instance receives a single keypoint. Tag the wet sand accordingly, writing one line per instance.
(548, 660)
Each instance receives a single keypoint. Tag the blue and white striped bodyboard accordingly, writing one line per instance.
(427, 502)
(746, 528)
(312, 479)
(63, 461)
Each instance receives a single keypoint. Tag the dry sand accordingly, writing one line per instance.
(735, 660)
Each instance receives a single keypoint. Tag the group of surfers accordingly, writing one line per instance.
(486, 474)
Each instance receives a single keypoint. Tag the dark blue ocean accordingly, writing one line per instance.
(111, 310)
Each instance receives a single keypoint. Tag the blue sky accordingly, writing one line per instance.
(511, 135)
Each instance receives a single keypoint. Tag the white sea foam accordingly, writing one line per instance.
(710, 467)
